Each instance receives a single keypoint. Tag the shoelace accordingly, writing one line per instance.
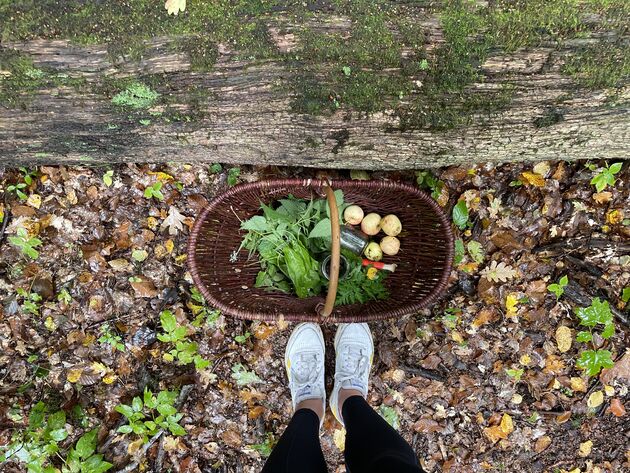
(354, 364)
(305, 370)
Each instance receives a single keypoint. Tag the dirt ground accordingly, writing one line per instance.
(485, 380)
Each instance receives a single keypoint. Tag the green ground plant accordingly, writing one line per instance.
(148, 414)
(558, 288)
(154, 191)
(182, 349)
(25, 243)
(592, 317)
(606, 176)
(108, 337)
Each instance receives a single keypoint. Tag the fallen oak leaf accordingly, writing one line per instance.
(173, 7)
(498, 272)
(174, 221)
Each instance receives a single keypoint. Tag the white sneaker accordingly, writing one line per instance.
(304, 361)
(354, 348)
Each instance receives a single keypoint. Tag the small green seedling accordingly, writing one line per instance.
(201, 310)
(515, 373)
(598, 313)
(142, 419)
(109, 338)
(558, 288)
(154, 190)
(183, 350)
(215, 168)
(25, 244)
(606, 177)
(17, 189)
(265, 447)
(243, 377)
(426, 180)
(242, 338)
(107, 178)
(30, 305)
(232, 177)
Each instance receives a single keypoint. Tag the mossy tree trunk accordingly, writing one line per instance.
(244, 111)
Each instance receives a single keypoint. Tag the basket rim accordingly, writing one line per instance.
(411, 308)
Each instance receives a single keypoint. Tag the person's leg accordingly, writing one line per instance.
(372, 445)
(299, 450)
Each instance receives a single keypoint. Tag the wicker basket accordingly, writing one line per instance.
(424, 261)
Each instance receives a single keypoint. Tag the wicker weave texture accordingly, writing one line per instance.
(424, 260)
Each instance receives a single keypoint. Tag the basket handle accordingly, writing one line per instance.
(333, 279)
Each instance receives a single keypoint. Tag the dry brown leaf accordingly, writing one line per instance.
(602, 197)
(255, 412)
(144, 288)
(232, 438)
(562, 418)
(621, 370)
(498, 272)
(425, 426)
(617, 407)
(564, 338)
(542, 443)
(485, 316)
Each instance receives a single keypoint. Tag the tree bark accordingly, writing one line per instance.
(247, 118)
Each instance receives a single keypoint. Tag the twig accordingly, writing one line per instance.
(183, 395)
(429, 374)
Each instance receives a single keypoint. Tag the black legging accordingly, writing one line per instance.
(372, 445)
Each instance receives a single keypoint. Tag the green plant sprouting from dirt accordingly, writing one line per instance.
(30, 301)
(598, 313)
(182, 349)
(201, 311)
(110, 338)
(558, 288)
(148, 414)
(26, 243)
(606, 176)
(154, 191)
(40, 443)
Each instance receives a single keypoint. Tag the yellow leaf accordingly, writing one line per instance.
(533, 179)
(542, 168)
(339, 436)
(134, 446)
(34, 200)
(169, 245)
(595, 399)
(457, 337)
(609, 390)
(585, 448)
(162, 176)
(602, 197)
(74, 375)
(469, 267)
(613, 217)
(88, 340)
(180, 258)
(99, 368)
(511, 303)
(501, 431)
(525, 360)
(152, 223)
(578, 384)
(563, 338)
(50, 324)
(110, 378)
(1, 213)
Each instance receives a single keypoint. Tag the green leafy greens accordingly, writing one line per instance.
(290, 239)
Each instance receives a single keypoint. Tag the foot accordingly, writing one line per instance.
(355, 350)
(304, 361)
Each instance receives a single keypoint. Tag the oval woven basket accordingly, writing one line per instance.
(424, 260)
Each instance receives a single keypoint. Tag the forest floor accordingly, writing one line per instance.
(93, 270)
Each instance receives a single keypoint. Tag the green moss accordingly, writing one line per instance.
(20, 79)
(601, 67)
(136, 96)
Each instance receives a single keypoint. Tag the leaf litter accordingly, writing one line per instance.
(486, 379)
